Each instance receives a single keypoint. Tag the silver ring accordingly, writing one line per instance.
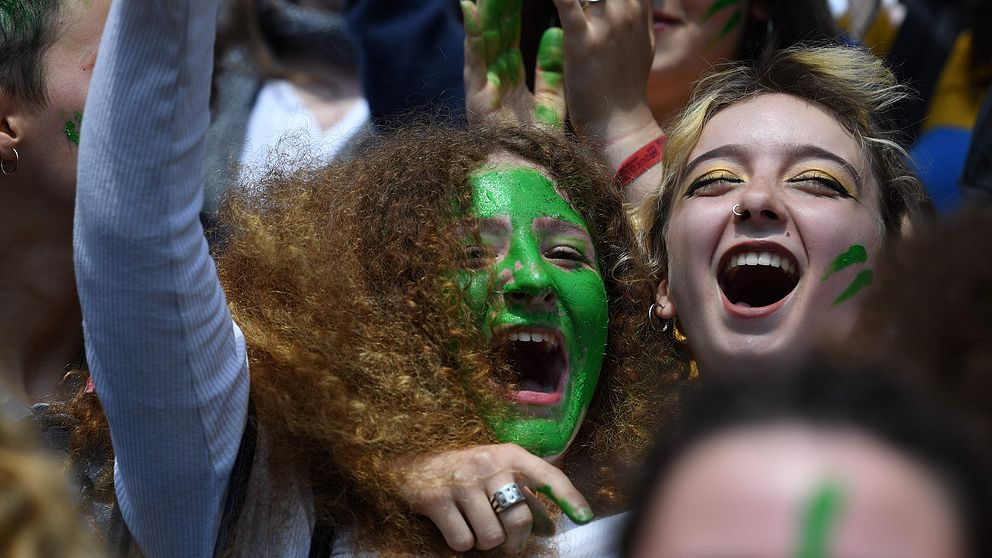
(506, 497)
(17, 159)
(734, 210)
(584, 3)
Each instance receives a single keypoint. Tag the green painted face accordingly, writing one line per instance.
(552, 315)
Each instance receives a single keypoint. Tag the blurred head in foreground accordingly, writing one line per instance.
(37, 516)
(819, 463)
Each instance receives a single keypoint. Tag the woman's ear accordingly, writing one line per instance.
(10, 124)
(666, 306)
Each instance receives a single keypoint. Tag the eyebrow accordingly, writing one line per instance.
(556, 225)
(796, 153)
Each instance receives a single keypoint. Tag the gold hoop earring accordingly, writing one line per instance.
(17, 159)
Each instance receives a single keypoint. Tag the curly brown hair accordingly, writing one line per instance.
(362, 350)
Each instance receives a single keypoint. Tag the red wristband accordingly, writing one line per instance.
(642, 159)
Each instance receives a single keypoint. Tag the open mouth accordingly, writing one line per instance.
(538, 360)
(756, 278)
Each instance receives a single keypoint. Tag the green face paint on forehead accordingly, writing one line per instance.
(553, 310)
(820, 517)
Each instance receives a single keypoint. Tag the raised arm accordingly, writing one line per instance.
(167, 363)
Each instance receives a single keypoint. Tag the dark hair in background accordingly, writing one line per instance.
(27, 29)
(877, 402)
(932, 315)
(790, 22)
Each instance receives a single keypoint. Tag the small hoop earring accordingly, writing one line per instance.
(652, 318)
(735, 208)
(17, 159)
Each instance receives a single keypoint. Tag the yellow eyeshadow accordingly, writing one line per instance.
(823, 174)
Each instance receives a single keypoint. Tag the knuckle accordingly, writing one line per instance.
(519, 522)
(462, 543)
(489, 539)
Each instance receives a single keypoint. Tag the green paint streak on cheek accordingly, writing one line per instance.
(862, 280)
(580, 515)
(856, 254)
(718, 6)
(731, 24)
(821, 515)
(72, 127)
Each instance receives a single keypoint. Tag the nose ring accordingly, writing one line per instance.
(735, 212)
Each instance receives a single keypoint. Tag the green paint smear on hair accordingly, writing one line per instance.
(718, 6)
(72, 127)
(856, 254)
(862, 280)
(821, 515)
(580, 516)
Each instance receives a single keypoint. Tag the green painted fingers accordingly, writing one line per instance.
(580, 515)
(492, 30)
(549, 102)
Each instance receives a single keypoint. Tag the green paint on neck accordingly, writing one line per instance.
(580, 515)
(856, 254)
(820, 517)
(73, 127)
(861, 280)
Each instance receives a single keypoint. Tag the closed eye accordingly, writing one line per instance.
(712, 184)
(566, 255)
(820, 183)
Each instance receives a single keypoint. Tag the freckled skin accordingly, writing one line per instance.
(527, 199)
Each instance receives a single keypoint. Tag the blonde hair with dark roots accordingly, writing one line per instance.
(849, 83)
(362, 351)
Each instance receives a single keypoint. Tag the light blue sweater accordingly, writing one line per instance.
(169, 368)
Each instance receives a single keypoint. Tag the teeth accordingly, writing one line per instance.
(533, 337)
(760, 258)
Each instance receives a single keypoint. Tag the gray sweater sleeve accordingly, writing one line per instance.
(168, 366)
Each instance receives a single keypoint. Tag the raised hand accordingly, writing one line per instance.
(494, 74)
(454, 490)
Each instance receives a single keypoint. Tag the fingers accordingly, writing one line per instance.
(481, 518)
(450, 521)
(475, 59)
(571, 16)
(542, 525)
(549, 87)
(547, 479)
(516, 520)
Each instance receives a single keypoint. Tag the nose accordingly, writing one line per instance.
(760, 202)
(529, 288)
